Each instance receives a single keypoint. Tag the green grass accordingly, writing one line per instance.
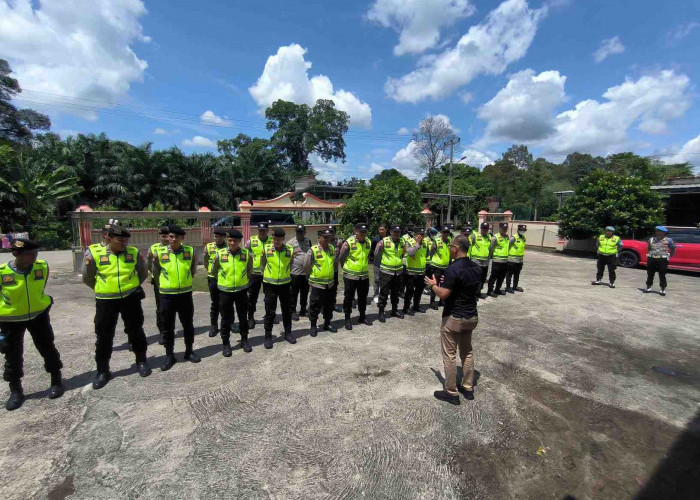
(199, 282)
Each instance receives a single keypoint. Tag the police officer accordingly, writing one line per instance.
(256, 245)
(320, 266)
(389, 253)
(440, 259)
(416, 258)
(382, 233)
(354, 259)
(404, 273)
(115, 272)
(480, 252)
(300, 282)
(608, 246)
(516, 252)
(661, 249)
(163, 242)
(335, 242)
(25, 306)
(500, 246)
(174, 267)
(210, 251)
(276, 263)
(233, 266)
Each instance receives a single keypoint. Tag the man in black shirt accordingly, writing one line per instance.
(459, 318)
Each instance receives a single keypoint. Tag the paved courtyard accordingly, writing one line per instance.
(567, 403)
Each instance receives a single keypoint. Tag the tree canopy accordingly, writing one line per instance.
(16, 124)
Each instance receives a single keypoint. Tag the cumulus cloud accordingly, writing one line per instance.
(680, 32)
(690, 152)
(80, 48)
(476, 158)
(487, 48)
(286, 77)
(405, 162)
(418, 22)
(199, 142)
(523, 109)
(403, 131)
(209, 118)
(160, 131)
(608, 47)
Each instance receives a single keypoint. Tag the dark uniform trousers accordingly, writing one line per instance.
(389, 284)
(657, 266)
(611, 262)
(498, 274)
(107, 313)
(159, 317)
(182, 305)
(484, 275)
(321, 299)
(513, 273)
(438, 274)
(335, 287)
(256, 281)
(360, 286)
(414, 291)
(272, 293)
(43, 338)
(227, 301)
(214, 295)
(300, 292)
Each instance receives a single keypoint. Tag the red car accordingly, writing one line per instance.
(686, 258)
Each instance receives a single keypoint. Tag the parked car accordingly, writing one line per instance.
(274, 218)
(686, 258)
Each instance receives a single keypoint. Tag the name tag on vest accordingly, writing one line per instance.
(8, 279)
(128, 258)
(187, 256)
(165, 257)
(270, 252)
(254, 243)
(38, 274)
(353, 247)
(224, 258)
(104, 259)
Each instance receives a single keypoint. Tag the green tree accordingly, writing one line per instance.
(538, 175)
(467, 181)
(16, 124)
(607, 198)
(579, 165)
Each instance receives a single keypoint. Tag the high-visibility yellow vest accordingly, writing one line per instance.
(441, 257)
(480, 247)
(416, 263)
(116, 274)
(608, 246)
(500, 251)
(211, 249)
(233, 270)
(278, 267)
(357, 263)
(23, 296)
(392, 255)
(517, 249)
(257, 246)
(175, 270)
(323, 268)
(156, 246)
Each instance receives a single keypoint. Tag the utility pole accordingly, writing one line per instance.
(449, 192)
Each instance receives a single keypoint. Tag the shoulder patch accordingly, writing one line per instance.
(8, 278)
(165, 257)
(129, 257)
(38, 274)
(104, 259)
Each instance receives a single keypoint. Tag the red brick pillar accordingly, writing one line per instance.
(85, 228)
(244, 208)
(205, 225)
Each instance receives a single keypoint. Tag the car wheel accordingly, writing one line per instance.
(628, 258)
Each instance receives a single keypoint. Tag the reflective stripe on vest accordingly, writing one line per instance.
(608, 246)
(175, 271)
(357, 263)
(481, 247)
(500, 251)
(416, 263)
(392, 255)
(257, 247)
(517, 249)
(116, 274)
(323, 268)
(278, 267)
(233, 270)
(441, 257)
(23, 296)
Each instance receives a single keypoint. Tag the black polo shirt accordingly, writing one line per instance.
(463, 277)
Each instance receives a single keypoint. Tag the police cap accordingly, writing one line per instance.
(119, 231)
(610, 228)
(522, 227)
(20, 245)
(361, 227)
(395, 227)
(221, 231)
(325, 232)
(278, 231)
(263, 225)
(663, 229)
(484, 225)
(164, 230)
(177, 230)
(503, 225)
(445, 229)
(235, 233)
(331, 228)
(301, 228)
(419, 230)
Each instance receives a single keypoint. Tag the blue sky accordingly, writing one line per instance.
(561, 75)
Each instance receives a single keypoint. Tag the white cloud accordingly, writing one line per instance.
(199, 142)
(690, 152)
(209, 118)
(80, 48)
(286, 77)
(375, 168)
(477, 158)
(405, 162)
(466, 97)
(160, 131)
(523, 109)
(403, 131)
(680, 32)
(418, 21)
(608, 47)
(487, 48)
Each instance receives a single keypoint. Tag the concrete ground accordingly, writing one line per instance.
(567, 403)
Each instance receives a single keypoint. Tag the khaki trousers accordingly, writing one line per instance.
(456, 333)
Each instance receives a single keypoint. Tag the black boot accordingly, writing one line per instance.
(509, 290)
(226, 351)
(419, 309)
(191, 356)
(101, 379)
(303, 312)
(382, 316)
(16, 398)
(397, 314)
(348, 324)
(409, 311)
(295, 316)
(245, 345)
(213, 330)
(443, 396)
(169, 360)
(160, 339)
(289, 337)
(517, 289)
(364, 321)
(251, 323)
(268, 340)
(143, 368)
(56, 390)
(327, 327)
(314, 330)
(433, 305)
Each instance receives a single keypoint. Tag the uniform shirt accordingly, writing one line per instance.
(656, 248)
(309, 262)
(299, 254)
(463, 277)
(89, 269)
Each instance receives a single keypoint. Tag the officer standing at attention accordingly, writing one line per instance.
(276, 263)
(25, 306)
(174, 268)
(608, 246)
(440, 259)
(416, 258)
(354, 259)
(233, 267)
(500, 246)
(320, 266)
(115, 272)
(661, 249)
(389, 254)
(162, 244)
(335, 243)
(516, 253)
(480, 252)
(210, 251)
(404, 273)
(375, 241)
(300, 282)
(256, 245)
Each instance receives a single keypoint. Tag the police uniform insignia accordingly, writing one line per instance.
(287, 253)
(7, 279)
(187, 255)
(165, 257)
(104, 259)
(224, 258)
(19, 244)
(353, 247)
(254, 243)
(270, 252)
(243, 257)
(38, 274)
(129, 258)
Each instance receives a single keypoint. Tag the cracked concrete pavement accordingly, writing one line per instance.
(566, 403)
